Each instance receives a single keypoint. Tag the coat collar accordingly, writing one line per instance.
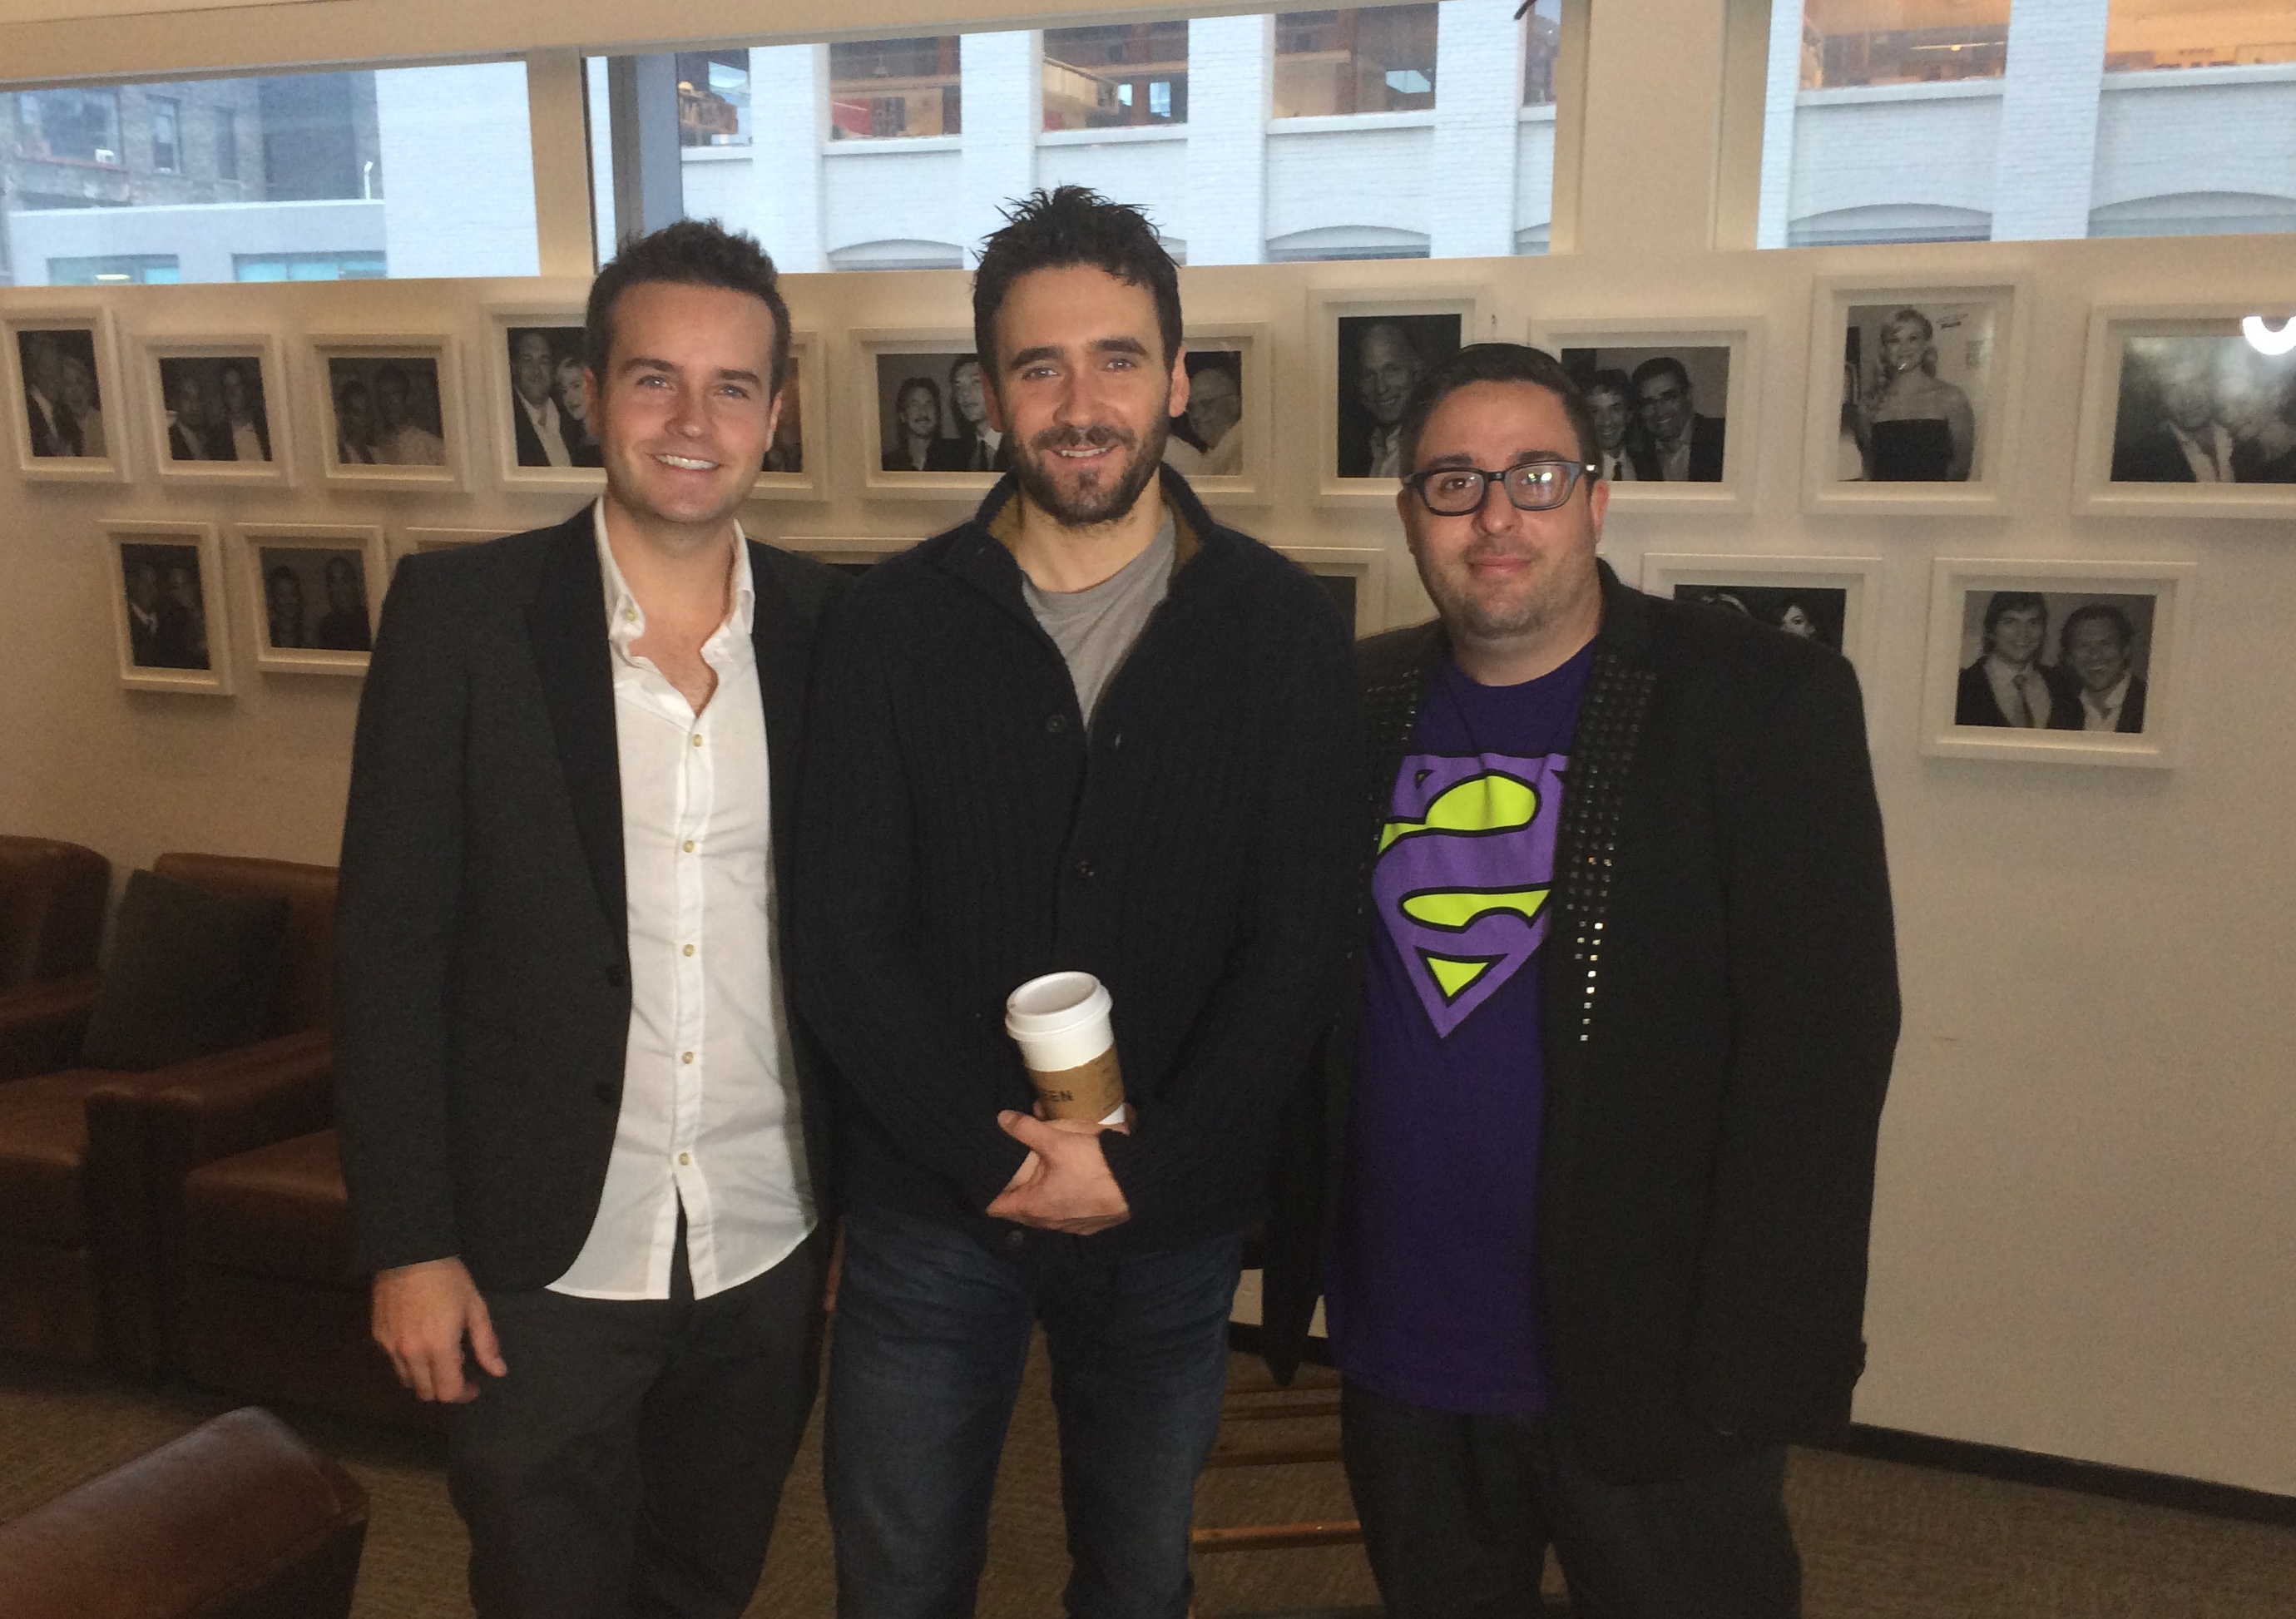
(566, 627)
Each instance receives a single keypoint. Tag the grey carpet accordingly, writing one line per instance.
(1880, 1541)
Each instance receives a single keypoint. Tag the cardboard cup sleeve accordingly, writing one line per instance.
(1061, 1022)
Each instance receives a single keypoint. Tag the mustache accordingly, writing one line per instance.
(1097, 436)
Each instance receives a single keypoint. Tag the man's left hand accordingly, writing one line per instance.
(1071, 1190)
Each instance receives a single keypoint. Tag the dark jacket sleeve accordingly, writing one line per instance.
(394, 930)
(859, 982)
(1214, 1128)
(1814, 981)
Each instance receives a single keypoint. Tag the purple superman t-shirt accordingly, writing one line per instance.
(1430, 1295)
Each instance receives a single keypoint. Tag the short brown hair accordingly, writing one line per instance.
(693, 254)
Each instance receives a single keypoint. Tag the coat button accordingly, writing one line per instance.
(1084, 870)
(1056, 723)
(1014, 1241)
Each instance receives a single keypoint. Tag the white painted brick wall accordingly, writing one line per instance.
(1228, 82)
(1469, 179)
(1003, 100)
(458, 170)
(2047, 149)
(1329, 178)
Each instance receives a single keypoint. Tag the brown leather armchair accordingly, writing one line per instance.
(238, 1519)
(82, 1214)
(52, 898)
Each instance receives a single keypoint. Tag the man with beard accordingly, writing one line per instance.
(978, 446)
(1682, 447)
(1090, 730)
(1588, 1190)
(1387, 364)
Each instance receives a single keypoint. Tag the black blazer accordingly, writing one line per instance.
(1706, 442)
(2150, 456)
(1975, 704)
(482, 996)
(1720, 1005)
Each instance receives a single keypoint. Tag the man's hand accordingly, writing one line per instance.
(422, 1315)
(1064, 1184)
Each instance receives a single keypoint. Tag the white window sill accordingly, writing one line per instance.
(1858, 96)
(2176, 78)
(1352, 121)
(714, 154)
(878, 145)
(1130, 134)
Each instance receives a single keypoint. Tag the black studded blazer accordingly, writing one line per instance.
(1721, 1010)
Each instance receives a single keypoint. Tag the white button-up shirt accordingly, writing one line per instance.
(709, 1104)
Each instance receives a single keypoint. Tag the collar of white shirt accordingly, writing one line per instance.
(626, 620)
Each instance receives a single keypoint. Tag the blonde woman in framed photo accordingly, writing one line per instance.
(1913, 426)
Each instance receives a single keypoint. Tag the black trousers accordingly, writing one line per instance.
(1458, 1512)
(631, 1461)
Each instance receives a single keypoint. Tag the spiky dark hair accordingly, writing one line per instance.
(1048, 230)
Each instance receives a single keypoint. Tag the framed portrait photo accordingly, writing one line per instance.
(389, 411)
(312, 594)
(1371, 352)
(216, 410)
(1827, 599)
(920, 416)
(1664, 394)
(538, 416)
(2189, 412)
(797, 465)
(1221, 443)
(1355, 576)
(66, 412)
(2070, 662)
(1913, 397)
(167, 607)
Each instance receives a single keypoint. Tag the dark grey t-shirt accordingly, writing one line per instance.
(1096, 628)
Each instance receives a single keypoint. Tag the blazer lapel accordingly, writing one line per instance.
(784, 643)
(566, 624)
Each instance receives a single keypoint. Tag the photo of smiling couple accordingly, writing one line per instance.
(687, 884)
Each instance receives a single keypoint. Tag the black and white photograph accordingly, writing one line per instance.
(1813, 612)
(385, 410)
(2203, 409)
(1915, 387)
(213, 408)
(315, 599)
(1206, 441)
(2054, 660)
(549, 414)
(786, 453)
(1659, 412)
(1380, 357)
(931, 415)
(168, 607)
(63, 395)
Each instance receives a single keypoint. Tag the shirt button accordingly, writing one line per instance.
(686, 1157)
(697, 742)
(1084, 869)
(1056, 723)
(631, 614)
(689, 845)
(689, 950)
(688, 1057)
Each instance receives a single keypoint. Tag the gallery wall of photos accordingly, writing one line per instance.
(1919, 454)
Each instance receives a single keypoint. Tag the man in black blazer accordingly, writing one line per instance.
(2009, 686)
(2098, 643)
(582, 1137)
(1588, 1181)
(1678, 445)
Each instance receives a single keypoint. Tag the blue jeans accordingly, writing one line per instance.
(932, 1333)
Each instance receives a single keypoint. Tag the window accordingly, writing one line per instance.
(887, 88)
(1330, 64)
(70, 126)
(283, 173)
(309, 267)
(1902, 42)
(1113, 78)
(122, 269)
(2143, 36)
(713, 98)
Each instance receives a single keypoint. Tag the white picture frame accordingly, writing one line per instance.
(1976, 337)
(805, 423)
(884, 361)
(562, 324)
(1764, 586)
(1365, 566)
(155, 356)
(1251, 483)
(2116, 380)
(1331, 315)
(1963, 589)
(340, 358)
(1624, 344)
(88, 338)
(313, 554)
(171, 627)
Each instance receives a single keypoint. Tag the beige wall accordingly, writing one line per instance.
(2083, 1242)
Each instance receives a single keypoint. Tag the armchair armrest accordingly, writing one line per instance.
(146, 1131)
(42, 1025)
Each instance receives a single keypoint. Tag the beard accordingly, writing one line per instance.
(1097, 500)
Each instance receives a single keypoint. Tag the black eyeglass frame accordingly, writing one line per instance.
(1573, 472)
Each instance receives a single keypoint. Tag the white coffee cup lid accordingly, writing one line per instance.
(1055, 1004)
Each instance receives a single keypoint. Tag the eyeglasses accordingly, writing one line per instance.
(1533, 486)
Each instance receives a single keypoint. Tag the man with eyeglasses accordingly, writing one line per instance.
(1588, 1193)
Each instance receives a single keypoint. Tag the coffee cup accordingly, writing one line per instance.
(1061, 1022)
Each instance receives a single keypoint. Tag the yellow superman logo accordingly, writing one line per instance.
(1484, 804)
